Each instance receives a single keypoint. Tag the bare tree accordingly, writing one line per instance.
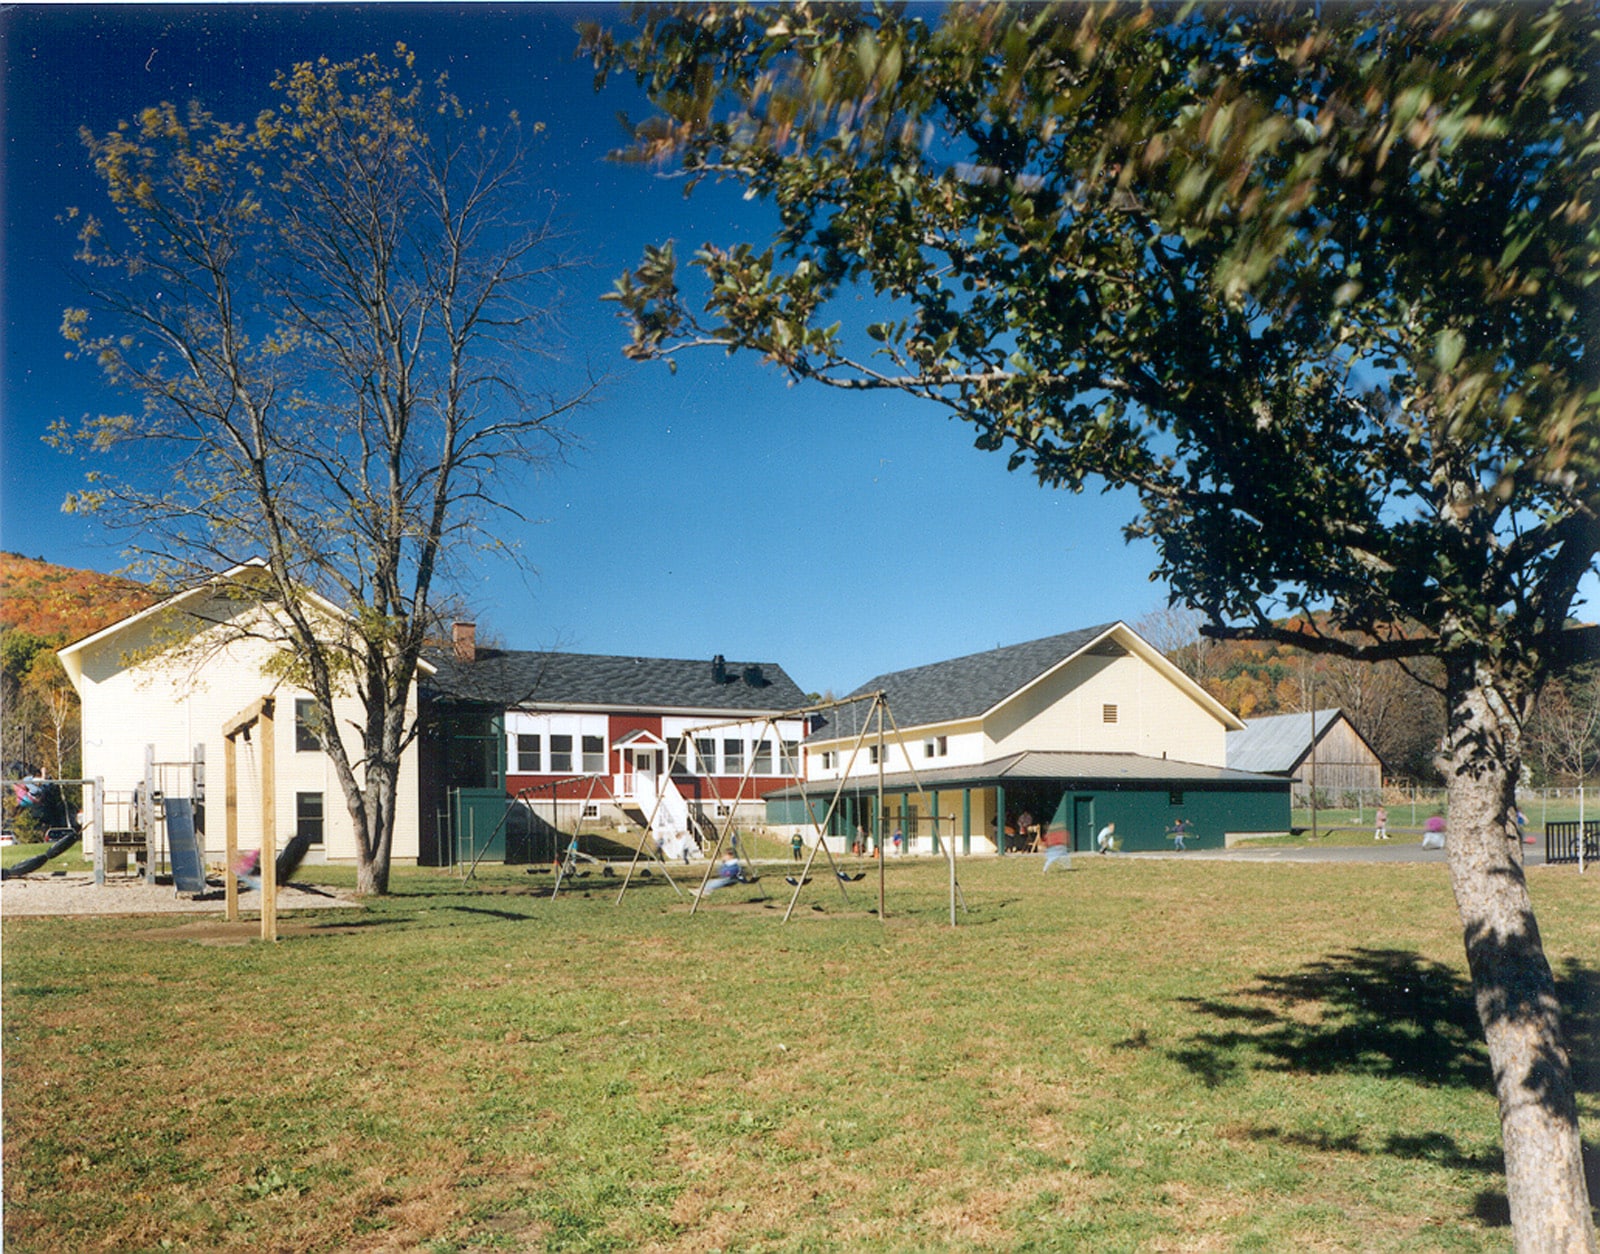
(1175, 630)
(1563, 732)
(330, 318)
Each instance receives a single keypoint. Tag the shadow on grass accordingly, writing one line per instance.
(1388, 1013)
(1367, 1012)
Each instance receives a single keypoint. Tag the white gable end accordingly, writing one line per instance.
(1098, 703)
(168, 681)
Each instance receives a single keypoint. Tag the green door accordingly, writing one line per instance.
(1082, 824)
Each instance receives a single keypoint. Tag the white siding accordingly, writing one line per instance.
(964, 745)
(134, 696)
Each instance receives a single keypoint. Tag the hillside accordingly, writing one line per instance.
(60, 604)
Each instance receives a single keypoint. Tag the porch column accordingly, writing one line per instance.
(1000, 817)
(966, 820)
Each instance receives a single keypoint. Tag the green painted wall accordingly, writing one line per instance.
(1142, 816)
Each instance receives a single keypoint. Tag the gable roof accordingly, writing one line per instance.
(72, 655)
(970, 687)
(510, 678)
(1276, 743)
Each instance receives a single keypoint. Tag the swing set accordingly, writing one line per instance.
(256, 716)
(728, 837)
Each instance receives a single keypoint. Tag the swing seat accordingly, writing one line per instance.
(796, 880)
(851, 879)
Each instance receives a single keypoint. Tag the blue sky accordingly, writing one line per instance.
(712, 511)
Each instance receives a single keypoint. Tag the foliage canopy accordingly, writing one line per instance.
(1315, 284)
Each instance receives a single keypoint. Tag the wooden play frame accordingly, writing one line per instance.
(258, 713)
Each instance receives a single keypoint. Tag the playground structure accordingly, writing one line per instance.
(117, 828)
(670, 824)
(727, 836)
(256, 716)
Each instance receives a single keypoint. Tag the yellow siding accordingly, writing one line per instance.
(1066, 711)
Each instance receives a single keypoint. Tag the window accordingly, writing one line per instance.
(591, 810)
(733, 757)
(791, 758)
(677, 755)
(308, 816)
(1174, 796)
(761, 764)
(938, 747)
(1108, 714)
(561, 754)
(530, 754)
(594, 755)
(829, 757)
(705, 755)
(307, 719)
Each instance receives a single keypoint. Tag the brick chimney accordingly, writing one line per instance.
(464, 636)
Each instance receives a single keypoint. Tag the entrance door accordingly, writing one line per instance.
(1082, 824)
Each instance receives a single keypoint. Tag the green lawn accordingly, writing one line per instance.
(71, 860)
(1136, 1055)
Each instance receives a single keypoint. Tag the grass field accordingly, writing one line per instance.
(1135, 1055)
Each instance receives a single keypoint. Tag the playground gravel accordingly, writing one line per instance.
(72, 893)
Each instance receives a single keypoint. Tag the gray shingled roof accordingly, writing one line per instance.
(963, 687)
(1276, 743)
(509, 678)
(1082, 770)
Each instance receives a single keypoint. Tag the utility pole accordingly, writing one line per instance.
(1312, 694)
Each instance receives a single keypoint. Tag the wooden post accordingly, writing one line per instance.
(258, 715)
(230, 824)
(269, 825)
(1000, 818)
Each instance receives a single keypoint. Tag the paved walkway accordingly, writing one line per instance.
(1374, 851)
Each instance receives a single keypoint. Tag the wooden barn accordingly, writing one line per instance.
(1320, 750)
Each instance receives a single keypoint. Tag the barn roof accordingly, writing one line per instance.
(510, 679)
(1276, 743)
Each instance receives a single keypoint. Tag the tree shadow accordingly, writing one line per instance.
(1389, 1013)
(1381, 1012)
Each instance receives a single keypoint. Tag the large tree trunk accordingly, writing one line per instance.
(1511, 977)
(376, 843)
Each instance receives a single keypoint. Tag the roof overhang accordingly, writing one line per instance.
(1074, 770)
(639, 738)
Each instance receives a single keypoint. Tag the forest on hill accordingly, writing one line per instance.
(60, 604)
(1397, 707)
(42, 607)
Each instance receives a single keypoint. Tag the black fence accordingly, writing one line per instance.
(1561, 841)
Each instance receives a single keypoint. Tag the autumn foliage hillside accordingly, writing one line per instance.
(60, 604)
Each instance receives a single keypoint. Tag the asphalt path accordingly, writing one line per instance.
(1376, 851)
